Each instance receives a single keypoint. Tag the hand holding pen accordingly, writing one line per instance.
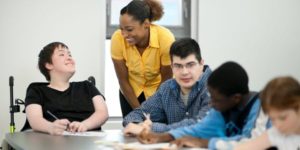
(133, 129)
(147, 124)
(58, 126)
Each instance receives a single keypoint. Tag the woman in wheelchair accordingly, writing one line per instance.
(60, 105)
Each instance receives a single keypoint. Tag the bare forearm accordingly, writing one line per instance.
(165, 137)
(41, 125)
(99, 116)
(129, 95)
(123, 77)
(166, 73)
(95, 120)
(204, 143)
(36, 119)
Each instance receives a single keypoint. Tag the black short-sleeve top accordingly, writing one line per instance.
(74, 104)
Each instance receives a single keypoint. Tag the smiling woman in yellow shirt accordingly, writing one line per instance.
(140, 52)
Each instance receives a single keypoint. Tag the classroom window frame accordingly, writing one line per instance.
(179, 31)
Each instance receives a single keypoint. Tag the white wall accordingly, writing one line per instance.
(262, 35)
(27, 26)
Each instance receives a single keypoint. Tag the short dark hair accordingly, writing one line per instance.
(229, 78)
(45, 56)
(184, 47)
(142, 10)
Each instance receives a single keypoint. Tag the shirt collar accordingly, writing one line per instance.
(203, 78)
(153, 42)
(251, 98)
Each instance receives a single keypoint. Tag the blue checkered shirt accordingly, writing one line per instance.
(167, 110)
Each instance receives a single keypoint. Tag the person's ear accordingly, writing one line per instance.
(49, 66)
(146, 23)
(202, 62)
(237, 98)
(298, 109)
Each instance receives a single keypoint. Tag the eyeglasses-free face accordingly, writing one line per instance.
(286, 121)
(62, 62)
(186, 71)
(222, 102)
(134, 32)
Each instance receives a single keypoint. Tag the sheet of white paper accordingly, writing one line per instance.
(88, 133)
(193, 148)
(107, 145)
(137, 145)
(165, 146)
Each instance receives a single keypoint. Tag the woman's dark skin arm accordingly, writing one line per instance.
(166, 73)
(122, 74)
(189, 141)
(149, 137)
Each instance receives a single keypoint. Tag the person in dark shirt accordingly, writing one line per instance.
(61, 105)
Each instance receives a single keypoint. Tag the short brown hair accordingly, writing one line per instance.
(45, 57)
(281, 93)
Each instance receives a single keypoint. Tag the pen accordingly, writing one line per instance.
(52, 115)
(146, 115)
